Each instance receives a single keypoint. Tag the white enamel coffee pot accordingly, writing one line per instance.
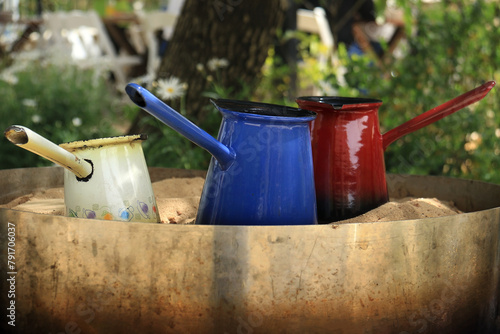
(104, 178)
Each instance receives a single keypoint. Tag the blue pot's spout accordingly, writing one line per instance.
(154, 106)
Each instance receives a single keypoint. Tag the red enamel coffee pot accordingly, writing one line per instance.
(348, 149)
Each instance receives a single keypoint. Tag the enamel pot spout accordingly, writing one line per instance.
(150, 103)
(29, 140)
(261, 169)
(437, 113)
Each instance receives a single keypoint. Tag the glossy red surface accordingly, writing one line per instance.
(348, 159)
(348, 149)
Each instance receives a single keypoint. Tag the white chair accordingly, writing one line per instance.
(315, 21)
(173, 7)
(84, 33)
(151, 23)
(11, 6)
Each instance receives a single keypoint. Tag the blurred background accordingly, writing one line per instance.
(64, 66)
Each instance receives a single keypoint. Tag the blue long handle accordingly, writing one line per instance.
(157, 108)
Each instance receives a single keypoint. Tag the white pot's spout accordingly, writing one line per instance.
(33, 142)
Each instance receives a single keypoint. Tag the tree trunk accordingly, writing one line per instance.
(239, 31)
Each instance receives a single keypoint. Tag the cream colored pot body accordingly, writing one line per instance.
(119, 187)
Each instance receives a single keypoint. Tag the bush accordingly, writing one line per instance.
(451, 48)
(60, 102)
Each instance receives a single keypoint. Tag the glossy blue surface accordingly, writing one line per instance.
(271, 181)
(266, 175)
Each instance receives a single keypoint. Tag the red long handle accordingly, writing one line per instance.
(437, 113)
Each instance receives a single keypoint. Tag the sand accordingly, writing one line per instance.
(178, 198)
(47, 201)
(406, 208)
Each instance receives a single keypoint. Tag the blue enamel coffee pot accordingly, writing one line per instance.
(261, 169)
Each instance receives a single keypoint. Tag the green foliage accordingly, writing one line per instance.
(30, 7)
(451, 48)
(60, 103)
(452, 51)
(167, 148)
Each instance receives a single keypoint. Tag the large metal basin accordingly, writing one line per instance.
(435, 275)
